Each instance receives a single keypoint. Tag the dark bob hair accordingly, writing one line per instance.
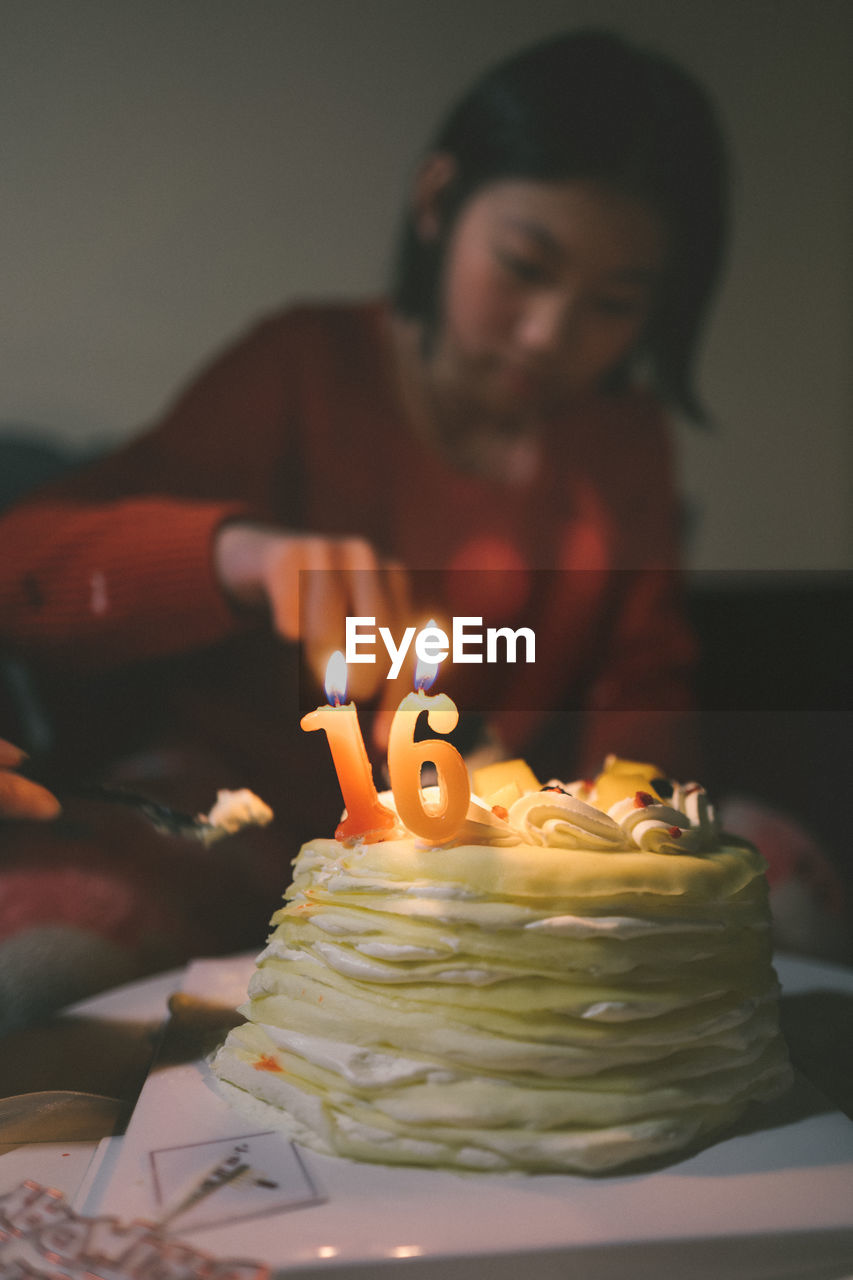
(590, 106)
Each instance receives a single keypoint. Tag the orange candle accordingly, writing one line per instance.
(366, 817)
(406, 758)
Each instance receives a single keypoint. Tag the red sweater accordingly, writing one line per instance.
(299, 423)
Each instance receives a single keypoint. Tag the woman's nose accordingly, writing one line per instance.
(546, 323)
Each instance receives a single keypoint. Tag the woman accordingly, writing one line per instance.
(490, 442)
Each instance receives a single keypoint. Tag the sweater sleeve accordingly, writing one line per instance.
(114, 563)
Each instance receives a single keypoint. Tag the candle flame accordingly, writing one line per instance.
(336, 679)
(425, 672)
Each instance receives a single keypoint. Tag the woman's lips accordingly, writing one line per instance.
(522, 382)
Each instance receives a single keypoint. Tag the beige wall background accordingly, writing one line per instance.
(173, 168)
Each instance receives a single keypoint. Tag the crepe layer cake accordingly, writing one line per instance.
(580, 979)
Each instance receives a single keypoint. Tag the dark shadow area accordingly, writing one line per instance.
(81, 1055)
(195, 1028)
(775, 687)
(818, 1026)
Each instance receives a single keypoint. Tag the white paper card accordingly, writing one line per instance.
(203, 1183)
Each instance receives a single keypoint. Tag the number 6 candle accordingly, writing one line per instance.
(366, 816)
(407, 757)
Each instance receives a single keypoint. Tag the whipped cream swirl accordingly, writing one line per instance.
(557, 818)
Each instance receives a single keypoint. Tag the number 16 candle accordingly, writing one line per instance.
(366, 816)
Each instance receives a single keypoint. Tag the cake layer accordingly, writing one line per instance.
(411, 1110)
(532, 875)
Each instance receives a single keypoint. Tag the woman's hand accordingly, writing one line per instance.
(19, 797)
(259, 565)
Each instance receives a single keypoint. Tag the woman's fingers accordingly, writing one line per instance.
(315, 583)
(311, 584)
(20, 798)
(10, 755)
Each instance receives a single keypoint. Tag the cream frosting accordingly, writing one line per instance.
(573, 989)
(234, 810)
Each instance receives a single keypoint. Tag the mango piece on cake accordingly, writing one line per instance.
(622, 778)
(515, 777)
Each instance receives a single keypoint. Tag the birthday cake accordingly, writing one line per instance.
(579, 979)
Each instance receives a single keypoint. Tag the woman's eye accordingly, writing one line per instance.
(619, 306)
(527, 270)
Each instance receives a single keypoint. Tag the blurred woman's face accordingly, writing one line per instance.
(546, 288)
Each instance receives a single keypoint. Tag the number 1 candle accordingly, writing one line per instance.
(366, 816)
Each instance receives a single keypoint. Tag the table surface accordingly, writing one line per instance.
(104, 1047)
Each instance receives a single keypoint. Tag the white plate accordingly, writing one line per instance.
(772, 1199)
